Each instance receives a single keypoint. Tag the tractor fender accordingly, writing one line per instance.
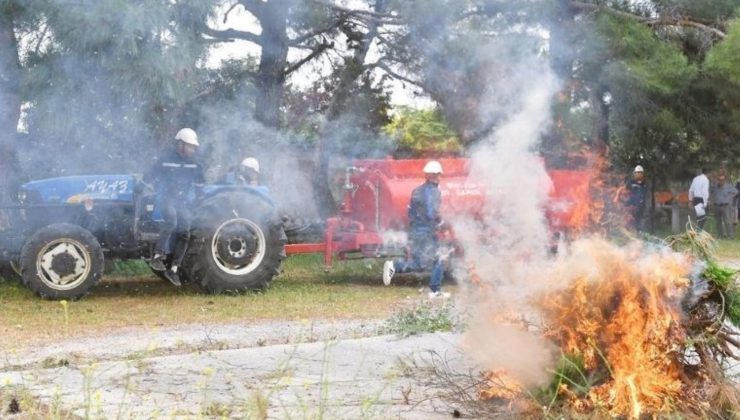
(259, 193)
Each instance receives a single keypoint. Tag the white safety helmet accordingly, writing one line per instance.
(638, 168)
(251, 163)
(433, 167)
(188, 136)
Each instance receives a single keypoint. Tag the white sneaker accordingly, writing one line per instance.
(439, 295)
(388, 272)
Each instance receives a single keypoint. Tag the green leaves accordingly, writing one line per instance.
(724, 280)
(422, 131)
(648, 63)
(723, 277)
(724, 58)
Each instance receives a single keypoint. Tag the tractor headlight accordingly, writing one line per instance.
(22, 196)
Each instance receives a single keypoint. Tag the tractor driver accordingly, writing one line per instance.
(174, 176)
(246, 173)
(424, 221)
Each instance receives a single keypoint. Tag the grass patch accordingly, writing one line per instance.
(129, 268)
(303, 291)
(424, 318)
(729, 248)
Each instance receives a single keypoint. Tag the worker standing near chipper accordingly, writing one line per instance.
(424, 222)
(637, 194)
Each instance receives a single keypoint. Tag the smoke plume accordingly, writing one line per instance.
(506, 246)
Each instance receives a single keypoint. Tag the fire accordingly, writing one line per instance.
(619, 311)
(595, 202)
(501, 385)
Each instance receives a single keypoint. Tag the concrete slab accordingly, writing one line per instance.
(345, 379)
(183, 339)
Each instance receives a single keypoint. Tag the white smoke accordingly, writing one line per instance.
(507, 245)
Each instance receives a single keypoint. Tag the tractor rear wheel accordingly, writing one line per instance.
(61, 261)
(241, 244)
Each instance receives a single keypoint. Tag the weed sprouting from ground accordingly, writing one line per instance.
(65, 308)
(17, 402)
(423, 318)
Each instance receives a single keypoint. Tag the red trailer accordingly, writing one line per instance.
(373, 220)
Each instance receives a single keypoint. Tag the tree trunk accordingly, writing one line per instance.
(562, 51)
(600, 121)
(273, 17)
(353, 69)
(562, 56)
(10, 106)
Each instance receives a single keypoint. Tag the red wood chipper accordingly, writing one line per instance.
(373, 220)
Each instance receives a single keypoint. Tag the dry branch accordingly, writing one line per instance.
(662, 21)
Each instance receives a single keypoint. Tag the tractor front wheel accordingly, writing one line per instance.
(61, 261)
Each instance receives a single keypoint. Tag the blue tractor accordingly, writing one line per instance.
(60, 234)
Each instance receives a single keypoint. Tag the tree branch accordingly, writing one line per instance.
(255, 7)
(233, 6)
(229, 35)
(353, 11)
(685, 23)
(662, 21)
(315, 53)
(601, 8)
(41, 39)
(380, 18)
(379, 64)
(338, 22)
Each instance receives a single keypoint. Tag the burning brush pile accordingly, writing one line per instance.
(633, 331)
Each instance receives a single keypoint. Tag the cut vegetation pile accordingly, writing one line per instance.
(642, 330)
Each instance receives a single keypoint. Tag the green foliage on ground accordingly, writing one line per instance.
(722, 280)
(129, 268)
(571, 372)
(424, 318)
(723, 277)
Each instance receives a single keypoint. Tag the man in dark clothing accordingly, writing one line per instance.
(174, 176)
(723, 195)
(424, 220)
(637, 198)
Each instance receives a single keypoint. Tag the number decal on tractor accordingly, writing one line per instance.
(104, 186)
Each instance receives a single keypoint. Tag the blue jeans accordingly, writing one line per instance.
(424, 257)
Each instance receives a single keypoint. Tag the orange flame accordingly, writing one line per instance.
(500, 385)
(619, 310)
(625, 319)
(595, 203)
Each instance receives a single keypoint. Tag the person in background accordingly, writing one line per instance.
(246, 173)
(424, 221)
(637, 194)
(699, 197)
(723, 194)
(175, 176)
